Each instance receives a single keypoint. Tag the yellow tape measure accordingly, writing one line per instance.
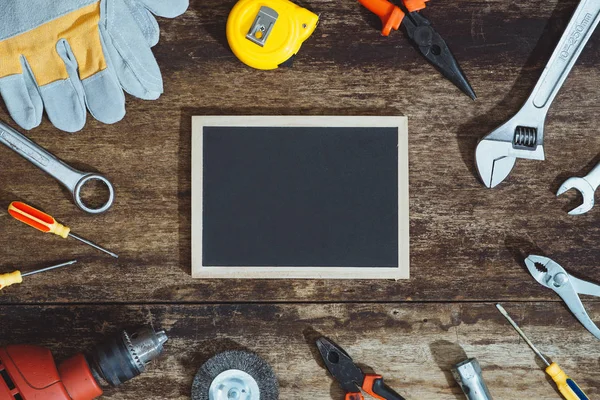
(267, 33)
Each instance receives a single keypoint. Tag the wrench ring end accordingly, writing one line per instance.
(77, 194)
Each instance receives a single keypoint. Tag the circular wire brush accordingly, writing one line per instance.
(235, 375)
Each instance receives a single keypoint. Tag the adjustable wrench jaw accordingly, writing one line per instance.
(497, 153)
(493, 162)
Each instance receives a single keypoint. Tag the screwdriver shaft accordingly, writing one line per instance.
(566, 386)
(49, 268)
(93, 245)
(520, 332)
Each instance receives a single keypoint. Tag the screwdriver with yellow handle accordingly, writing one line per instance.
(566, 386)
(17, 277)
(47, 224)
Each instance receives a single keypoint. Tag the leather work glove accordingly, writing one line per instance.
(69, 55)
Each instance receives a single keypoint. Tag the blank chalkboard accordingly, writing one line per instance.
(302, 197)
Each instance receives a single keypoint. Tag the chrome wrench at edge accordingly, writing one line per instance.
(523, 135)
(69, 177)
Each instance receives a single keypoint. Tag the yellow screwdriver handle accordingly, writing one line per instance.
(567, 386)
(10, 279)
(37, 219)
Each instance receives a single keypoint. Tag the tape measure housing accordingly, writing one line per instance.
(264, 34)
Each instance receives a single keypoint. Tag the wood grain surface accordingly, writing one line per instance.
(412, 345)
(467, 242)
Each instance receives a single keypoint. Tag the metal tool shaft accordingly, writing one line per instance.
(576, 35)
(94, 245)
(49, 268)
(520, 332)
(593, 177)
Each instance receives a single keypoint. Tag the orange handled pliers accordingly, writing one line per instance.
(419, 30)
(350, 377)
(390, 14)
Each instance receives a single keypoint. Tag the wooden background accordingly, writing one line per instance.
(467, 242)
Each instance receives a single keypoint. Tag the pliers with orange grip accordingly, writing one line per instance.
(350, 377)
(426, 39)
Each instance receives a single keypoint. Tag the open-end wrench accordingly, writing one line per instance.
(587, 187)
(69, 177)
(523, 135)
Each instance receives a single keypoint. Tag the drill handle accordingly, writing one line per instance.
(76, 375)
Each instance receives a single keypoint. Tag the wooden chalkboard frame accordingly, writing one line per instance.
(202, 271)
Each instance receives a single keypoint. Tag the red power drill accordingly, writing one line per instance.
(29, 372)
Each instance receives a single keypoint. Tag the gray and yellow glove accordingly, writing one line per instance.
(70, 55)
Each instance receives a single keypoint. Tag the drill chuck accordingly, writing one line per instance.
(124, 357)
(29, 372)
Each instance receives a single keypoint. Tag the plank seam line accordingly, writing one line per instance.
(275, 303)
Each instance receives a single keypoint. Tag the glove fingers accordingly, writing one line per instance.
(22, 98)
(129, 54)
(64, 99)
(167, 9)
(146, 22)
(143, 11)
(104, 97)
(33, 90)
(132, 78)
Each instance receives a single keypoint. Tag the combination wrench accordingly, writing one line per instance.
(586, 186)
(523, 135)
(69, 177)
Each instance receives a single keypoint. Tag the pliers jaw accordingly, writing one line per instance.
(350, 377)
(340, 366)
(435, 50)
(551, 275)
(422, 35)
(543, 269)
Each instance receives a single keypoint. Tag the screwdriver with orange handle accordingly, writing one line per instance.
(14, 277)
(47, 224)
(566, 386)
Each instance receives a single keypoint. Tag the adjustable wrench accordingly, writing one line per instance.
(69, 177)
(523, 135)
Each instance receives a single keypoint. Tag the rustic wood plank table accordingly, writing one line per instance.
(467, 242)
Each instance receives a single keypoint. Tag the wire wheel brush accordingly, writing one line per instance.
(235, 375)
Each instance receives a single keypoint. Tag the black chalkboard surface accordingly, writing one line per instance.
(300, 197)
